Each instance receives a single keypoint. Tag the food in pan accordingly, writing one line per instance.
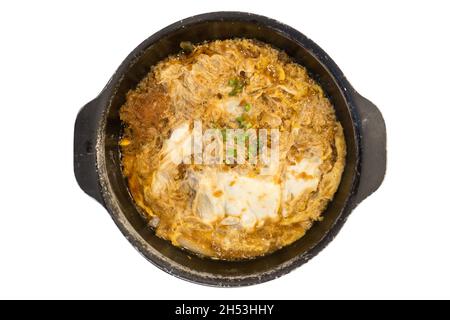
(230, 149)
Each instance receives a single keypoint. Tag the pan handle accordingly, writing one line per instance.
(373, 148)
(85, 140)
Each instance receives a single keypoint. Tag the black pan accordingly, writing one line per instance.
(97, 156)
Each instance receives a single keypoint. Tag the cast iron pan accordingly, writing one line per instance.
(97, 157)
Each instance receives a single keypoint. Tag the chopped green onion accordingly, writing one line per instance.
(247, 107)
(232, 152)
(236, 86)
(186, 46)
(232, 82)
(224, 134)
(243, 123)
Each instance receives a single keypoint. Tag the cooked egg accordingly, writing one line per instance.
(302, 177)
(176, 149)
(229, 196)
(231, 106)
(179, 146)
(192, 194)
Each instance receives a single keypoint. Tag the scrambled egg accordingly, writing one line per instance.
(230, 211)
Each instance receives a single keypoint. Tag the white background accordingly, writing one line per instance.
(56, 242)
